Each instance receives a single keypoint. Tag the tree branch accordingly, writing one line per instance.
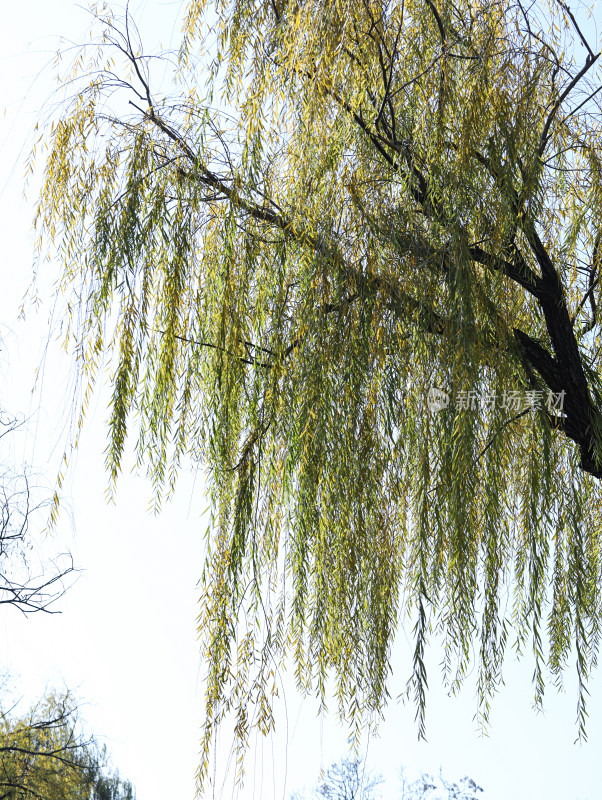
(543, 140)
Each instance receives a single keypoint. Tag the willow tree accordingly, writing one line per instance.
(44, 754)
(342, 211)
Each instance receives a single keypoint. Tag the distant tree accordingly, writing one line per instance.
(111, 787)
(346, 780)
(44, 755)
(426, 787)
(24, 585)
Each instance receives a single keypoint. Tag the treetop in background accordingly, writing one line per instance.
(350, 780)
(44, 755)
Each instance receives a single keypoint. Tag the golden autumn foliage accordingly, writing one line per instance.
(45, 756)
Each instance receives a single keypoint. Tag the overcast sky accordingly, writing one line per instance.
(126, 638)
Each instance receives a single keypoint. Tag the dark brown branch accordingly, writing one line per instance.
(543, 140)
(51, 754)
(519, 271)
(589, 295)
(438, 20)
(584, 41)
(502, 427)
(587, 99)
(539, 358)
(251, 361)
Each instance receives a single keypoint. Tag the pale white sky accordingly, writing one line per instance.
(126, 639)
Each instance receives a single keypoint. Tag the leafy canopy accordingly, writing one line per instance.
(45, 756)
(339, 206)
